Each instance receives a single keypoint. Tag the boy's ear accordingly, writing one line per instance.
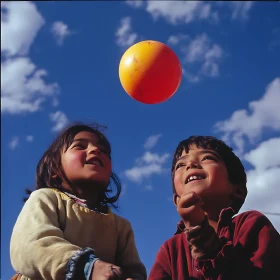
(175, 199)
(239, 192)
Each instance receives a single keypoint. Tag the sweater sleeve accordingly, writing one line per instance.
(161, 268)
(38, 248)
(253, 255)
(127, 254)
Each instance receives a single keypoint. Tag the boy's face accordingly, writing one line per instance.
(202, 171)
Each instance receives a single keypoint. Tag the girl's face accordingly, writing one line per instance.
(86, 161)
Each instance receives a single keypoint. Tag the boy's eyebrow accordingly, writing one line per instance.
(201, 152)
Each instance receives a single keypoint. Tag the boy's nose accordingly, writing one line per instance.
(193, 164)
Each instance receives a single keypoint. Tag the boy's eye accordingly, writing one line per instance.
(208, 157)
(180, 164)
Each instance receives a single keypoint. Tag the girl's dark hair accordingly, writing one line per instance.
(235, 168)
(50, 163)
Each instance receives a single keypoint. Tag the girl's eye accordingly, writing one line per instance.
(79, 145)
(104, 151)
(180, 164)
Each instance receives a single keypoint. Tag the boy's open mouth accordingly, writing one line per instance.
(194, 177)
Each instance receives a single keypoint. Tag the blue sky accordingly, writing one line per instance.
(59, 63)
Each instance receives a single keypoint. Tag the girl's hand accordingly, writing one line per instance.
(106, 271)
(190, 210)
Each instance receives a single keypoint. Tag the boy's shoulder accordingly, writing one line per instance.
(246, 219)
(250, 218)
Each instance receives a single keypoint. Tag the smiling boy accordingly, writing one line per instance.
(209, 188)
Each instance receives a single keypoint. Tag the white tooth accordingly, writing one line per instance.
(194, 177)
(95, 162)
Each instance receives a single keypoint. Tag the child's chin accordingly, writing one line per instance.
(198, 189)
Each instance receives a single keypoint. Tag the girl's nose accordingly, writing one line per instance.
(94, 150)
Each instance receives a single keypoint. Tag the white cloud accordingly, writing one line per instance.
(29, 138)
(23, 88)
(262, 113)
(176, 39)
(200, 52)
(197, 48)
(14, 142)
(59, 119)
(137, 173)
(146, 166)
(192, 78)
(135, 3)
(240, 9)
(124, 34)
(60, 30)
(263, 180)
(152, 141)
(20, 23)
(180, 11)
(176, 12)
(202, 49)
(263, 191)
(266, 155)
(149, 158)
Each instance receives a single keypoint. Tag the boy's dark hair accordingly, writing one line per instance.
(50, 163)
(235, 168)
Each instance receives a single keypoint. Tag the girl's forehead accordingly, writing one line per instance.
(87, 135)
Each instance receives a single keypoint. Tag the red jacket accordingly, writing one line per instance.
(251, 251)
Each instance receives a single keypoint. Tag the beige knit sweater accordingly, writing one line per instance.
(52, 227)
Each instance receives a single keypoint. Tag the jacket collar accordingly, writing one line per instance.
(225, 217)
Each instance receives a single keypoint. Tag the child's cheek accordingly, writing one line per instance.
(178, 183)
(74, 159)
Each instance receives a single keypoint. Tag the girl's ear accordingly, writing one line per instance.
(56, 180)
(175, 199)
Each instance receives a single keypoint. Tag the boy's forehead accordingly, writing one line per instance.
(193, 149)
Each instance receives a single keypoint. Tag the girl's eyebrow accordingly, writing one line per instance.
(201, 152)
(80, 139)
(87, 140)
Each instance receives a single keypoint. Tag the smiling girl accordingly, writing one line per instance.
(66, 229)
